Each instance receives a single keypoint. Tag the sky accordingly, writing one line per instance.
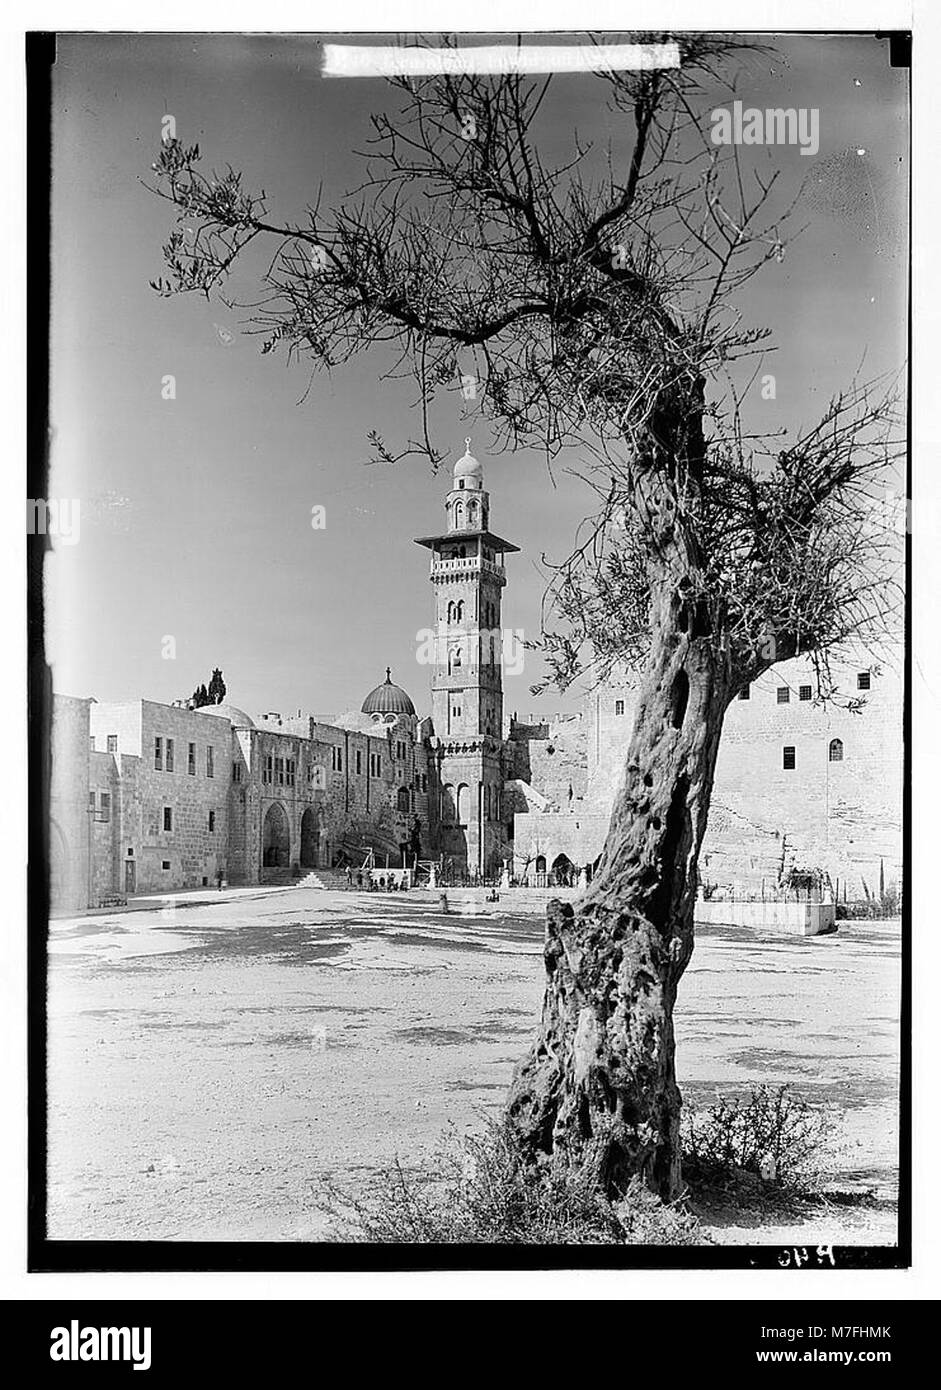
(196, 512)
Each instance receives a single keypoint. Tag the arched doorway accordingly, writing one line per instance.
(310, 838)
(276, 839)
(563, 871)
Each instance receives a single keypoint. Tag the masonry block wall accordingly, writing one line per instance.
(69, 806)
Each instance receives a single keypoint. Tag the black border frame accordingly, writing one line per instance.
(45, 1255)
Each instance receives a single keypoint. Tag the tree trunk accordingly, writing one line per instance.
(599, 1079)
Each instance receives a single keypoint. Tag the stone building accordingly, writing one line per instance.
(800, 783)
(149, 797)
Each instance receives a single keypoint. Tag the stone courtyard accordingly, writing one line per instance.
(212, 1063)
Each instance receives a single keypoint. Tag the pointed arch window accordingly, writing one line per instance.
(836, 750)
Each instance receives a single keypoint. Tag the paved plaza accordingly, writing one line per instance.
(211, 1063)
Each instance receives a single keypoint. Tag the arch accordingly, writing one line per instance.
(563, 870)
(447, 803)
(276, 838)
(458, 513)
(454, 660)
(836, 750)
(311, 825)
(540, 863)
(459, 611)
(463, 803)
(472, 513)
(451, 607)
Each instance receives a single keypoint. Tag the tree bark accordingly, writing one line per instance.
(600, 1075)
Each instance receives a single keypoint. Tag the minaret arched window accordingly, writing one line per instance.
(454, 660)
(459, 512)
(472, 513)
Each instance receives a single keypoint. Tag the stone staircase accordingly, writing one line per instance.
(333, 879)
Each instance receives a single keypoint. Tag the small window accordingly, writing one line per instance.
(158, 753)
(212, 821)
(112, 743)
(168, 817)
(836, 750)
(745, 693)
(784, 695)
(806, 692)
(91, 802)
(169, 754)
(619, 707)
(289, 771)
(104, 807)
(210, 764)
(790, 758)
(279, 771)
(91, 742)
(863, 680)
(268, 771)
(191, 760)
(165, 864)
(359, 763)
(237, 772)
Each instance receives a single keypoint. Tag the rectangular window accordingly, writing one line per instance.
(169, 754)
(91, 742)
(279, 771)
(236, 772)
(790, 758)
(289, 769)
(212, 821)
(806, 692)
(268, 773)
(191, 759)
(338, 759)
(359, 763)
(158, 753)
(165, 864)
(104, 807)
(210, 772)
(91, 802)
(784, 695)
(112, 743)
(619, 707)
(745, 693)
(863, 680)
(168, 817)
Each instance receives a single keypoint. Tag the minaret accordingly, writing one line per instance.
(468, 575)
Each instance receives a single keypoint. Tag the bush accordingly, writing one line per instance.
(478, 1191)
(773, 1134)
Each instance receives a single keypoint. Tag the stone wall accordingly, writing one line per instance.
(69, 819)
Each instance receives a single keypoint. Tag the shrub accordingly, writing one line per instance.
(478, 1191)
(773, 1134)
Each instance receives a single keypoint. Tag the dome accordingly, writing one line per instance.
(468, 467)
(388, 699)
(236, 717)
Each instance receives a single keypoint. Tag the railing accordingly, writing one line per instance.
(468, 562)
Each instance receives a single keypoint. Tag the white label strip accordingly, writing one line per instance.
(343, 60)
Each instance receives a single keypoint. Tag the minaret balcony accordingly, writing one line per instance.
(469, 564)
